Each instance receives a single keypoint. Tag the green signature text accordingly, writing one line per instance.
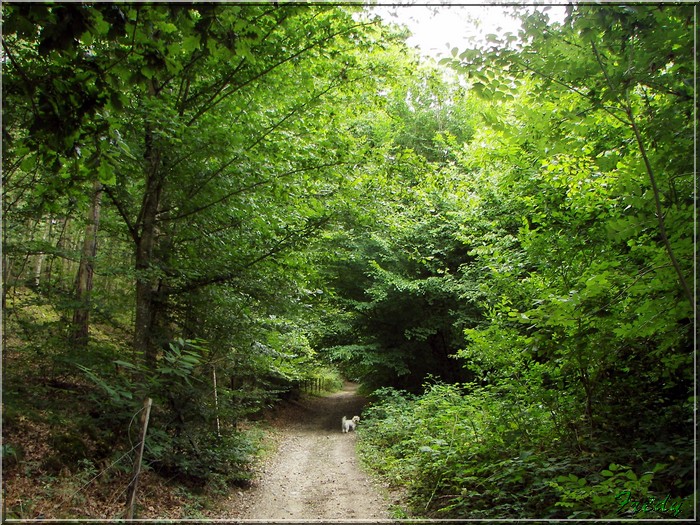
(648, 504)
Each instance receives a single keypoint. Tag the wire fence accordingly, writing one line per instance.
(118, 494)
(314, 385)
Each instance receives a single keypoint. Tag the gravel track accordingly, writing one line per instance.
(315, 473)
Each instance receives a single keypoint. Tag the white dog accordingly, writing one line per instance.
(349, 424)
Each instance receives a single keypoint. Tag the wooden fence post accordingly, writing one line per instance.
(131, 492)
(216, 405)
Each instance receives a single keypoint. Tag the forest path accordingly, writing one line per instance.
(315, 473)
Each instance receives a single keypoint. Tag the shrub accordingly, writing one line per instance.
(184, 438)
(616, 492)
(463, 451)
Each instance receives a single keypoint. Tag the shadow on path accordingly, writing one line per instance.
(325, 413)
(315, 473)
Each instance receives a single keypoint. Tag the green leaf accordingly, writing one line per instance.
(125, 364)
(190, 43)
(106, 173)
(29, 163)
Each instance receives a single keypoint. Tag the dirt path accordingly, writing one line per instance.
(315, 473)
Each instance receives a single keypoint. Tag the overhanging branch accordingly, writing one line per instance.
(289, 240)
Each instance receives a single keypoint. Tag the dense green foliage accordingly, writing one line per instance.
(164, 168)
(489, 452)
(212, 203)
(575, 229)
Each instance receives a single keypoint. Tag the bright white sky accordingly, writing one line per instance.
(440, 26)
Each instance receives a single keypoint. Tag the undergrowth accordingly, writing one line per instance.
(71, 419)
(483, 453)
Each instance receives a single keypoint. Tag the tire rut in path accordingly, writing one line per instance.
(315, 473)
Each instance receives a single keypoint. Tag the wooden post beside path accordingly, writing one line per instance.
(131, 492)
(216, 406)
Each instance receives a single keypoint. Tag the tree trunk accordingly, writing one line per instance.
(146, 284)
(83, 279)
(39, 260)
(145, 341)
(6, 277)
(59, 256)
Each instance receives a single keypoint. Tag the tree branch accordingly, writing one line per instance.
(287, 241)
(599, 59)
(596, 103)
(122, 212)
(269, 131)
(657, 202)
(264, 72)
(25, 78)
(252, 186)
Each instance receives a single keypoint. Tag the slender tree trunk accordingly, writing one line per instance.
(626, 105)
(39, 260)
(6, 277)
(83, 279)
(7, 265)
(62, 244)
(588, 389)
(685, 287)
